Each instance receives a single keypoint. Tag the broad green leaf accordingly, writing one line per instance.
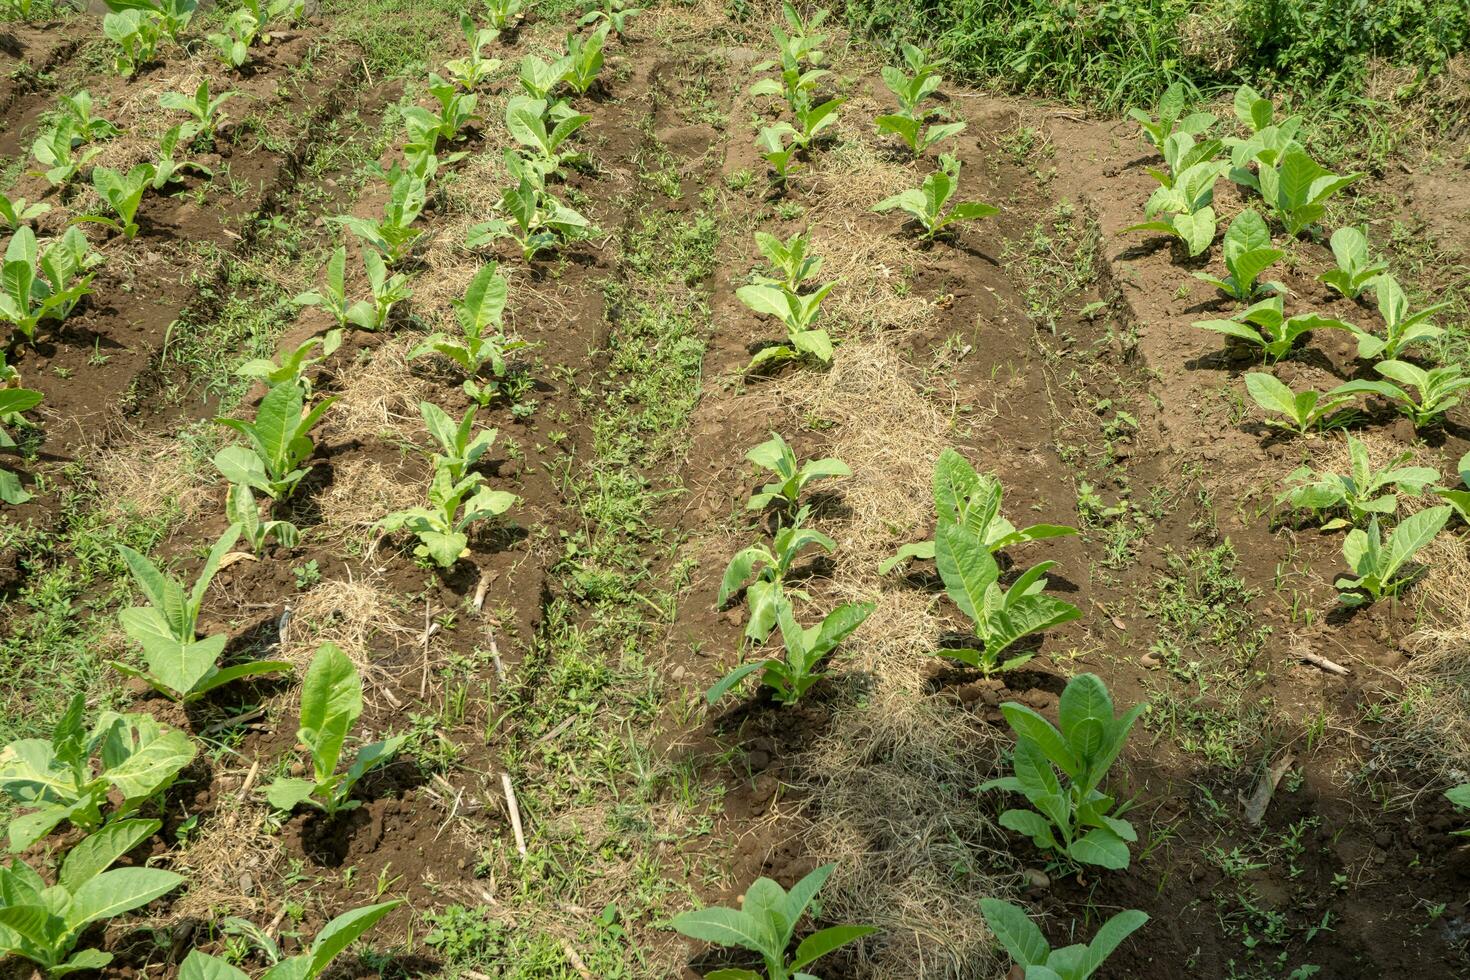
(96, 853)
(820, 943)
(115, 892)
(1015, 931)
(344, 930)
(331, 703)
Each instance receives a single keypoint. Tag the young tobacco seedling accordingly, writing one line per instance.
(1401, 328)
(1304, 410)
(13, 401)
(1248, 253)
(1459, 797)
(38, 285)
(1185, 195)
(470, 72)
(1000, 616)
(167, 169)
(1075, 818)
(241, 508)
(503, 14)
(769, 567)
(279, 442)
(1269, 139)
(179, 665)
(1356, 267)
(791, 675)
(1171, 118)
(811, 120)
(1021, 938)
(55, 150)
(789, 259)
(540, 220)
(332, 295)
(616, 13)
(136, 34)
(586, 55)
(233, 43)
(1377, 563)
(1265, 325)
(926, 204)
(1361, 492)
(526, 119)
(123, 193)
(911, 91)
(43, 923)
(136, 759)
(1438, 389)
(17, 211)
(86, 126)
(1297, 189)
(174, 15)
(334, 939)
(773, 149)
(460, 445)
(293, 366)
(798, 312)
(454, 504)
(965, 497)
(791, 479)
(540, 78)
(481, 343)
(765, 923)
(331, 703)
(426, 128)
(393, 235)
(202, 107)
(1457, 498)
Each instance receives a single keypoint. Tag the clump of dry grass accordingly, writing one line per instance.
(362, 491)
(873, 271)
(380, 396)
(354, 614)
(230, 862)
(144, 475)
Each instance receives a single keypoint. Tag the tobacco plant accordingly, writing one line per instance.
(174, 15)
(793, 673)
(123, 193)
(1304, 410)
(460, 446)
(1071, 816)
(1438, 389)
(393, 235)
(166, 169)
(538, 221)
(1459, 497)
(586, 54)
(136, 34)
(13, 401)
(241, 30)
(86, 126)
(526, 120)
(331, 703)
(765, 923)
(1401, 328)
(540, 78)
(481, 343)
(791, 479)
(965, 497)
(1247, 252)
(765, 570)
(1185, 196)
(1021, 938)
(1378, 565)
(1170, 118)
(44, 284)
(335, 938)
(1270, 139)
(1363, 493)
(278, 442)
(798, 311)
(1297, 189)
(242, 510)
(17, 211)
(911, 91)
(1000, 616)
(930, 204)
(455, 503)
(789, 260)
(56, 150)
(43, 923)
(179, 665)
(292, 367)
(427, 128)
(615, 14)
(771, 142)
(331, 296)
(470, 72)
(503, 14)
(202, 107)
(1266, 326)
(1356, 267)
(119, 764)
